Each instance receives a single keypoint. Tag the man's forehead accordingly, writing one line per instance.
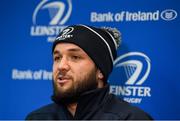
(69, 47)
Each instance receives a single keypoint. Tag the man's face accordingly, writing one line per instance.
(73, 71)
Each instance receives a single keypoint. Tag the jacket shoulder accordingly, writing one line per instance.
(124, 110)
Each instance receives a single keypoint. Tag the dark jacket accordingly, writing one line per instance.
(93, 105)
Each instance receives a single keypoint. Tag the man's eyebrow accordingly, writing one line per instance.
(70, 50)
(55, 52)
(74, 50)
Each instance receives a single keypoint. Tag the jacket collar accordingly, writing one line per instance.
(89, 102)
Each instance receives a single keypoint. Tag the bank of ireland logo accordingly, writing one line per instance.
(134, 69)
(49, 18)
(168, 14)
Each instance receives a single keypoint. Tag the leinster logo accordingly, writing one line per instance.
(49, 18)
(131, 71)
(56, 11)
(66, 34)
(133, 68)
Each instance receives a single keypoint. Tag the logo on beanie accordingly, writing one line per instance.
(132, 69)
(66, 34)
(49, 18)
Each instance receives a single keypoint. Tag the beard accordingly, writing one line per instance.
(77, 88)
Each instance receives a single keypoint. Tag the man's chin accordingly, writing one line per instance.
(63, 88)
(65, 91)
(65, 97)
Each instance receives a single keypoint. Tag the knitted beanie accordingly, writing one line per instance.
(99, 44)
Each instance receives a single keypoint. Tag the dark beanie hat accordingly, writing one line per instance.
(99, 45)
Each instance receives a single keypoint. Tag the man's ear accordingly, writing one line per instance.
(100, 78)
(99, 75)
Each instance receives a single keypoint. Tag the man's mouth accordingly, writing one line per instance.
(63, 79)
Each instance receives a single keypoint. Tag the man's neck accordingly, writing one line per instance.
(72, 108)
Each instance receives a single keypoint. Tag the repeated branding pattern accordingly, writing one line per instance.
(29, 74)
(136, 67)
(135, 16)
(168, 14)
(56, 12)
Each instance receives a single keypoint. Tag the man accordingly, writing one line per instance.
(82, 61)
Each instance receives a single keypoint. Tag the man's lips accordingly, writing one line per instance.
(63, 79)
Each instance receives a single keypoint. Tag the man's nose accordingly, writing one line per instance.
(63, 64)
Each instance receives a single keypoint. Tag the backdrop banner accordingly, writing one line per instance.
(145, 73)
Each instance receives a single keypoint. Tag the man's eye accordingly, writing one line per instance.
(56, 58)
(76, 57)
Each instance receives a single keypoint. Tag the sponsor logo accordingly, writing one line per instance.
(31, 74)
(136, 16)
(168, 14)
(49, 18)
(66, 34)
(133, 69)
